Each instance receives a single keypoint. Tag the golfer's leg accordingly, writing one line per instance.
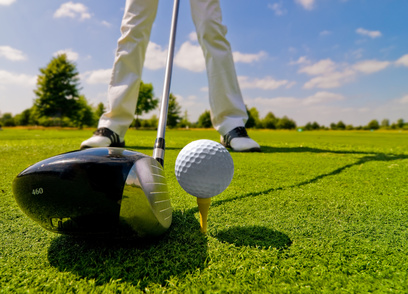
(227, 106)
(127, 69)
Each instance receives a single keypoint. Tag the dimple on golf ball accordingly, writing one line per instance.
(204, 168)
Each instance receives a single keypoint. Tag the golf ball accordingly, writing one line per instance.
(204, 168)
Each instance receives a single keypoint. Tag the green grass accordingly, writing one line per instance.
(316, 212)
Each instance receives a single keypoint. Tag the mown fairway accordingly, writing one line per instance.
(315, 212)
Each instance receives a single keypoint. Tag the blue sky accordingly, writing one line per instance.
(312, 60)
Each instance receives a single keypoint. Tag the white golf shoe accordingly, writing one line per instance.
(238, 140)
(103, 137)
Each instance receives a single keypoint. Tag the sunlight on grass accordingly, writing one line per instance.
(314, 212)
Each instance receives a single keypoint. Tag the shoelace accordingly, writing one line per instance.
(108, 133)
(239, 132)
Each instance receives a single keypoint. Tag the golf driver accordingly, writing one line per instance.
(102, 191)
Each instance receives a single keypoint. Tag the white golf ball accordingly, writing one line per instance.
(204, 168)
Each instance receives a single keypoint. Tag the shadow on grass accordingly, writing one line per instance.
(269, 149)
(365, 159)
(370, 156)
(182, 250)
(140, 262)
(138, 148)
(254, 236)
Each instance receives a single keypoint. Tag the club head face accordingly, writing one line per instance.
(96, 192)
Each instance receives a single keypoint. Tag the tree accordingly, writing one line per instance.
(7, 120)
(146, 100)
(253, 118)
(34, 115)
(400, 123)
(385, 123)
(184, 123)
(340, 126)
(270, 121)
(312, 126)
(204, 120)
(23, 119)
(173, 115)
(308, 127)
(84, 115)
(154, 121)
(373, 125)
(349, 127)
(286, 123)
(100, 109)
(315, 126)
(57, 89)
(145, 103)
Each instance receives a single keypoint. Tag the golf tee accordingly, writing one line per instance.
(203, 208)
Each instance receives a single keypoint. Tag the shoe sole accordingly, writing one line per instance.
(255, 149)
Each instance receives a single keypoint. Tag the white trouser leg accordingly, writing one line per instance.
(127, 69)
(227, 106)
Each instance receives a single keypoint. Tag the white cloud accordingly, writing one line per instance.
(155, 56)
(197, 53)
(71, 55)
(301, 60)
(189, 101)
(321, 67)
(322, 97)
(101, 76)
(12, 54)
(193, 36)
(292, 50)
(277, 8)
(194, 106)
(267, 83)
(403, 60)
(325, 33)
(190, 57)
(248, 58)
(331, 80)
(358, 53)
(72, 10)
(324, 108)
(371, 34)
(403, 100)
(329, 74)
(106, 24)
(307, 4)
(7, 2)
(273, 103)
(319, 98)
(371, 66)
(23, 80)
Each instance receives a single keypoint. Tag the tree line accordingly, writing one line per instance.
(59, 103)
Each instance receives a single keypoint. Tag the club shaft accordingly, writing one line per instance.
(159, 147)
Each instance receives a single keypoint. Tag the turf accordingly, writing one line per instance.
(315, 212)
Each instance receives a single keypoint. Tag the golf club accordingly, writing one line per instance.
(158, 151)
(102, 191)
